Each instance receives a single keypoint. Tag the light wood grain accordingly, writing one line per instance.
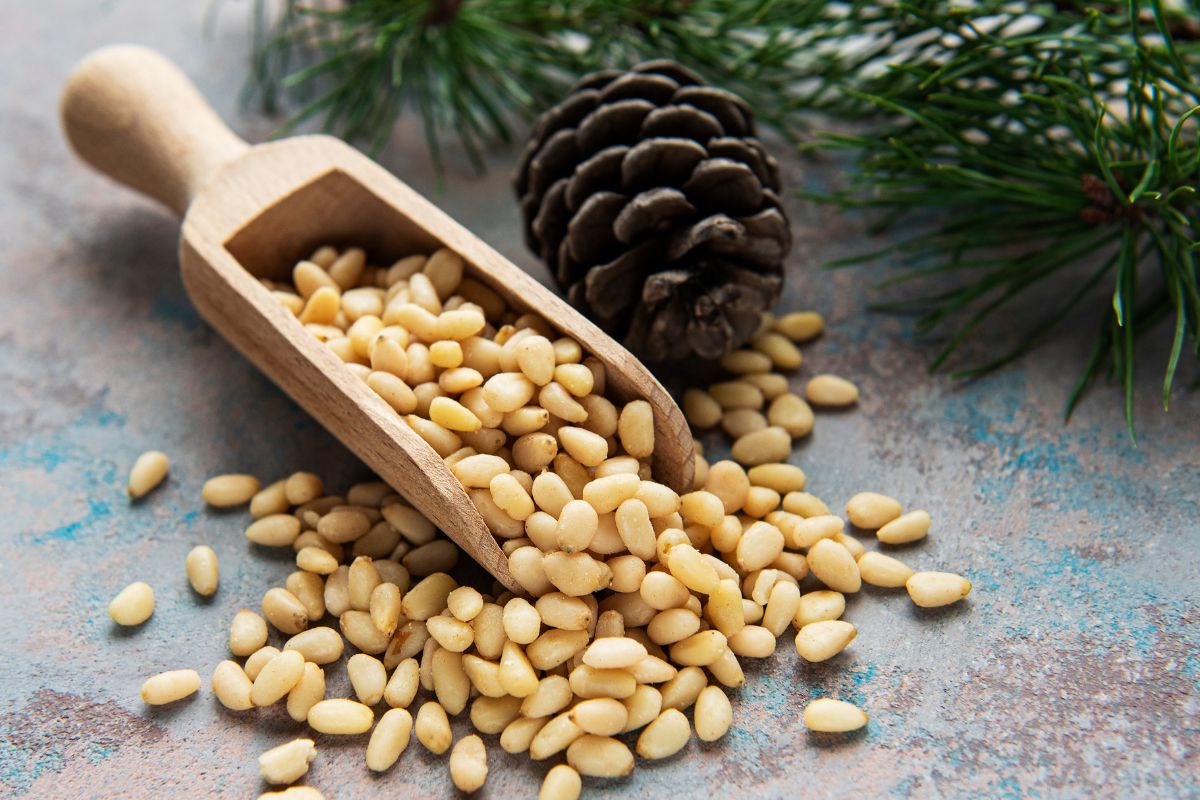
(252, 211)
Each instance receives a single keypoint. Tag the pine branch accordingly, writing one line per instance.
(1058, 138)
(1054, 140)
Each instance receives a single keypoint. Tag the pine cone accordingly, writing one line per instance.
(655, 207)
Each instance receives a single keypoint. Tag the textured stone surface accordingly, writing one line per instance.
(1071, 672)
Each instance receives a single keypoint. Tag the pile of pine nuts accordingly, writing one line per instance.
(641, 603)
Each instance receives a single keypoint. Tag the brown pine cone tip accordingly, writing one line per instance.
(656, 209)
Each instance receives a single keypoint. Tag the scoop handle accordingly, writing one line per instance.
(132, 114)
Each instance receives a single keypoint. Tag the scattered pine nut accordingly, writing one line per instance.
(871, 510)
(133, 605)
(148, 472)
(935, 589)
(831, 391)
(228, 491)
(167, 687)
(910, 527)
(468, 763)
(287, 763)
(833, 716)
(201, 567)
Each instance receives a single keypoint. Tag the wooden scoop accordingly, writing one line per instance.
(252, 212)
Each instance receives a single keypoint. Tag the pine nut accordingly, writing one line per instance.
(753, 641)
(635, 529)
(635, 429)
(724, 608)
(452, 634)
(277, 677)
(614, 653)
(518, 735)
(340, 717)
(468, 762)
(782, 353)
(745, 361)
(880, 570)
(818, 606)
(316, 561)
(450, 682)
(713, 714)
(728, 481)
(587, 448)
(575, 574)
(588, 682)
(148, 472)
(344, 525)
(167, 687)
(936, 589)
(833, 716)
(320, 645)
(402, 687)
(231, 686)
(728, 670)
(270, 500)
(293, 793)
(760, 501)
(600, 716)
(736, 394)
(831, 391)
(870, 510)
(554, 737)
(485, 678)
(258, 659)
(690, 568)
(782, 478)
(367, 677)
(557, 610)
(302, 487)
(287, 763)
(562, 782)
(607, 493)
(643, 706)
(133, 605)
(701, 409)
(820, 641)
(805, 533)
(665, 736)
(307, 692)
(782, 605)
(790, 412)
(274, 530)
(508, 391)
(761, 447)
(804, 504)
(800, 326)
(699, 649)
(428, 598)
(525, 565)
(201, 568)
(833, 565)
(432, 728)
(247, 633)
(284, 611)
(600, 756)
(906, 528)
(359, 629)
(761, 544)
(337, 591)
(228, 491)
